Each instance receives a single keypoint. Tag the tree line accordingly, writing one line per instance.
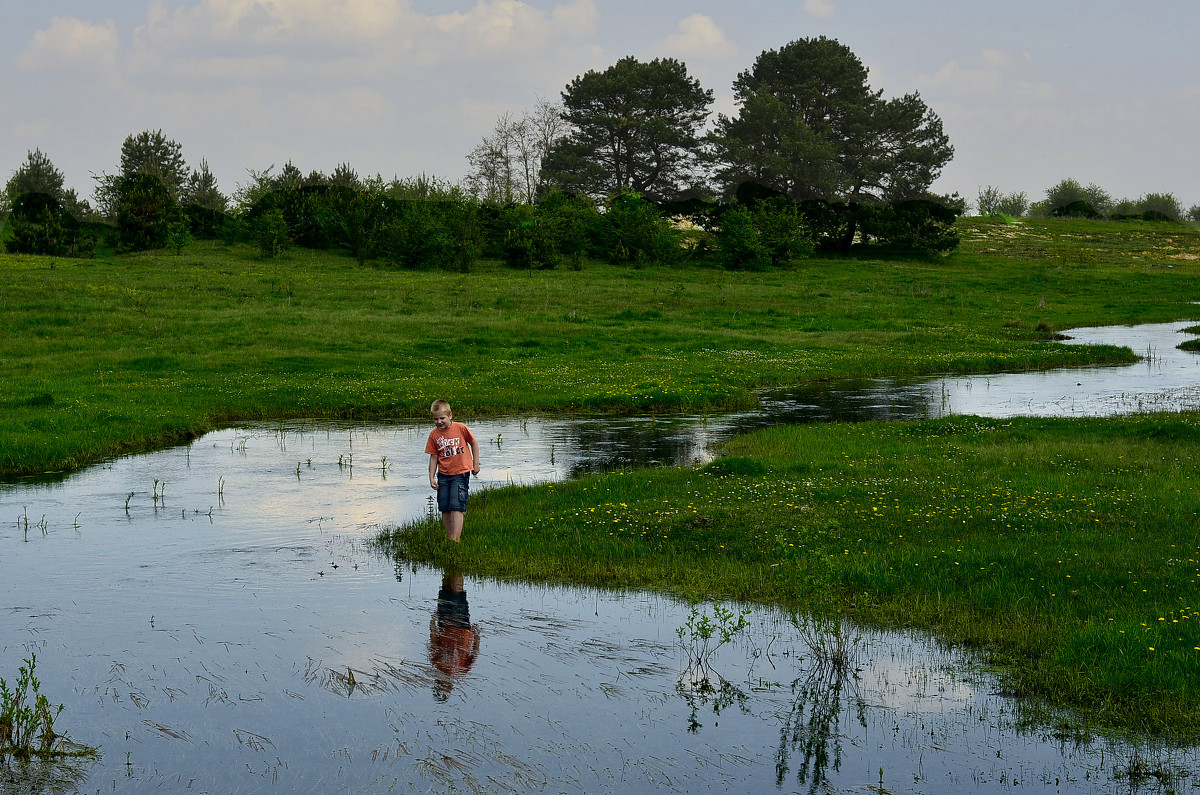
(1070, 199)
(815, 159)
(430, 223)
(621, 169)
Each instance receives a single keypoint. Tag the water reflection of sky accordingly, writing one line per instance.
(206, 636)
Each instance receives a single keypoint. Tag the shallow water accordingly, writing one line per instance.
(229, 628)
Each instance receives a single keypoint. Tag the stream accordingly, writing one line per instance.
(214, 617)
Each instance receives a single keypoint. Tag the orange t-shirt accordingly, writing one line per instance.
(451, 448)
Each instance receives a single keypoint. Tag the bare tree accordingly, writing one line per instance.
(493, 175)
(506, 165)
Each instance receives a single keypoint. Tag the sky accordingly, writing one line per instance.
(1030, 93)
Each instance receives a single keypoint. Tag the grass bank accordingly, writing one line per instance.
(1064, 550)
(104, 356)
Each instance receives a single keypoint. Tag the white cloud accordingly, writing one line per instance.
(321, 29)
(250, 82)
(74, 45)
(698, 37)
(819, 9)
(32, 129)
(1014, 128)
(347, 111)
(269, 23)
(992, 74)
(502, 24)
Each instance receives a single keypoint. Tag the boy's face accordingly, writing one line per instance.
(442, 419)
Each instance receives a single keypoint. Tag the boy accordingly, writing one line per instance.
(453, 458)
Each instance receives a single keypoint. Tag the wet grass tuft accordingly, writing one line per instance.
(27, 730)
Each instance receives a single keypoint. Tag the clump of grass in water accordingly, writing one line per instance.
(831, 643)
(699, 631)
(27, 721)
(700, 637)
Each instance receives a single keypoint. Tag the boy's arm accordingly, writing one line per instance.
(474, 455)
(433, 470)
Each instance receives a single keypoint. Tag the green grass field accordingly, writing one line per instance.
(1064, 550)
(122, 353)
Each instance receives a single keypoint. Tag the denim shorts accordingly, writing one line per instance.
(452, 492)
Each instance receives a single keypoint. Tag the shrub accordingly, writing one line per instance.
(1079, 208)
(530, 244)
(573, 223)
(179, 235)
(270, 231)
(357, 216)
(145, 211)
(830, 225)
(27, 722)
(1160, 207)
(1014, 204)
(1124, 209)
(781, 231)
(410, 238)
(738, 243)
(38, 224)
(204, 222)
(429, 234)
(988, 200)
(637, 232)
(1069, 199)
(916, 225)
(233, 229)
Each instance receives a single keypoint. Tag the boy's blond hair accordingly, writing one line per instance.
(440, 405)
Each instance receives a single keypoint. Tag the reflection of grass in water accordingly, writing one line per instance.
(1139, 771)
(383, 677)
(813, 723)
(701, 635)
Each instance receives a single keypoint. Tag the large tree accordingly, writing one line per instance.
(633, 126)
(148, 153)
(39, 175)
(36, 175)
(810, 127)
(201, 189)
(152, 153)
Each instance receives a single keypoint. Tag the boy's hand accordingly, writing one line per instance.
(475, 471)
(433, 483)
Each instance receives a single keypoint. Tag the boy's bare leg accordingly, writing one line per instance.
(453, 522)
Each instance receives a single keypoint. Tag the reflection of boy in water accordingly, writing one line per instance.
(453, 642)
